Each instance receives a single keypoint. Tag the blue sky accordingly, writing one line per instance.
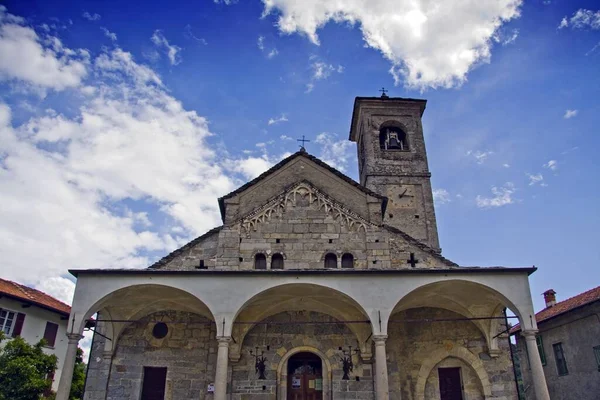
(122, 122)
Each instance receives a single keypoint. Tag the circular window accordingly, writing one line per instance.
(160, 330)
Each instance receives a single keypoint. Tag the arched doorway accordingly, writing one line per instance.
(305, 377)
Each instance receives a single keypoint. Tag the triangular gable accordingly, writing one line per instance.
(302, 154)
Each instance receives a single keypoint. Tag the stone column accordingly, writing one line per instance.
(537, 371)
(64, 386)
(381, 374)
(222, 366)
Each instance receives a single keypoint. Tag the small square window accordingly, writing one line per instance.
(7, 319)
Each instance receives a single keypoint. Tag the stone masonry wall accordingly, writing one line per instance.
(98, 366)
(188, 352)
(323, 335)
(579, 332)
(303, 234)
(413, 344)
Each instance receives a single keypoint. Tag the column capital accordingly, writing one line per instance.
(74, 337)
(224, 341)
(529, 333)
(379, 339)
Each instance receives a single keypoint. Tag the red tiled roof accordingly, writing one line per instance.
(33, 296)
(564, 306)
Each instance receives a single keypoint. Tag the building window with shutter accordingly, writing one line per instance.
(7, 321)
(540, 346)
(561, 362)
(50, 334)
(597, 354)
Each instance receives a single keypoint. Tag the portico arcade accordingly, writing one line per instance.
(368, 311)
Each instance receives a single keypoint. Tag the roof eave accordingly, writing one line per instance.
(459, 270)
(35, 303)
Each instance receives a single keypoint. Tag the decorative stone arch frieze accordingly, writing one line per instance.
(282, 369)
(461, 353)
(276, 208)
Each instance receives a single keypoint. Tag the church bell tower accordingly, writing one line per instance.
(392, 161)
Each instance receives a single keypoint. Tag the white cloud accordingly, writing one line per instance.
(59, 288)
(335, 152)
(430, 44)
(91, 17)
(570, 114)
(262, 47)
(551, 165)
(480, 156)
(441, 196)
(285, 137)
(251, 167)
(309, 87)
(322, 70)
(261, 43)
(505, 38)
(501, 196)
(63, 177)
(173, 52)
(41, 62)
(582, 19)
(111, 35)
(535, 179)
(190, 34)
(276, 120)
(506, 165)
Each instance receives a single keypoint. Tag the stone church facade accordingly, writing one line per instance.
(315, 287)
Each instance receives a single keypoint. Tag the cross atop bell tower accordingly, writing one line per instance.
(392, 161)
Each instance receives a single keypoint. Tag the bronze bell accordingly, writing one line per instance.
(394, 143)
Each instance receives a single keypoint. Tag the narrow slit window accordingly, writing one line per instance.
(50, 334)
(330, 260)
(260, 261)
(540, 346)
(559, 357)
(597, 354)
(347, 260)
(277, 261)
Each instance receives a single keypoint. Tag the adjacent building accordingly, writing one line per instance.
(34, 315)
(314, 287)
(568, 342)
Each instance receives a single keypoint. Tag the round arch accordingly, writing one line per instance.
(297, 297)
(470, 299)
(457, 352)
(282, 369)
(132, 301)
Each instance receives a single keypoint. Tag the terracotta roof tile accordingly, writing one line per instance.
(27, 294)
(564, 306)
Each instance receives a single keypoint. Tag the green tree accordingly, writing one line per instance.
(78, 382)
(24, 370)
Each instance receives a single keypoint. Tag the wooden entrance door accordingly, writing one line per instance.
(450, 384)
(155, 380)
(305, 377)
